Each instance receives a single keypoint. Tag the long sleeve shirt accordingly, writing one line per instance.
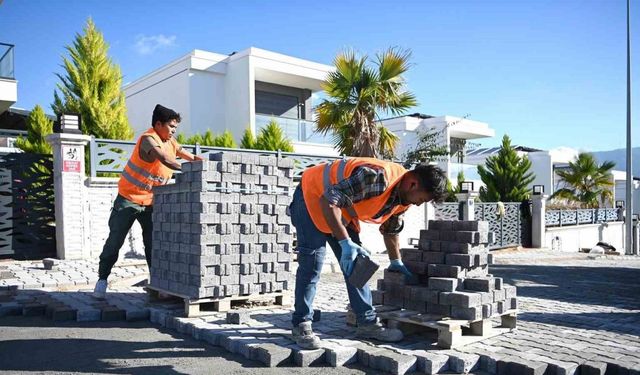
(366, 182)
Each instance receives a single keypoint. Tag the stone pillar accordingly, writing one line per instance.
(538, 220)
(68, 181)
(429, 213)
(468, 204)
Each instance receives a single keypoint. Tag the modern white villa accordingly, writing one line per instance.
(233, 92)
(454, 132)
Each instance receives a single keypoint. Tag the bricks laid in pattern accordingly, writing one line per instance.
(451, 262)
(222, 230)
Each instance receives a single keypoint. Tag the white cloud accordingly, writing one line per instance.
(146, 45)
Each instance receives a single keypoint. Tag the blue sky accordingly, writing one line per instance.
(547, 73)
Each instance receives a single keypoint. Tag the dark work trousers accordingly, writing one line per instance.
(123, 214)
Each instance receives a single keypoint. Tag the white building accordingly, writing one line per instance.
(8, 83)
(453, 132)
(233, 92)
(542, 163)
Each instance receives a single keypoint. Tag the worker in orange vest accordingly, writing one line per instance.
(328, 205)
(152, 163)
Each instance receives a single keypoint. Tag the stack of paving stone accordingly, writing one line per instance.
(222, 230)
(451, 263)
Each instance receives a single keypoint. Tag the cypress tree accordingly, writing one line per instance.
(506, 176)
(272, 138)
(225, 140)
(248, 140)
(91, 87)
(38, 127)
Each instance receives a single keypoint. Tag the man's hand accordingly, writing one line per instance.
(197, 157)
(397, 266)
(350, 251)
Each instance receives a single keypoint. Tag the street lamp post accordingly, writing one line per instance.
(629, 184)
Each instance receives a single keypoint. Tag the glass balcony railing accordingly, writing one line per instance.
(6, 61)
(297, 130)
(470, 171)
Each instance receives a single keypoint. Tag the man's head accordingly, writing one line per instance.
(165, 121)
(423, 184)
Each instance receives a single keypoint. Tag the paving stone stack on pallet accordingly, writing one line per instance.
(222, 230)
(452, 264)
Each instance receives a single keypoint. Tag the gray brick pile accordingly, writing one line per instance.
(222, 230)
(451, 262)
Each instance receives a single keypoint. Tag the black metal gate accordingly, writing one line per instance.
(27, 207)
(510, 222)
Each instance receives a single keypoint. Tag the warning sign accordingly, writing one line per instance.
(71, 159)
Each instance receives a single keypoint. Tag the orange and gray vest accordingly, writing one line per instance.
(139, 177)
(316, 180)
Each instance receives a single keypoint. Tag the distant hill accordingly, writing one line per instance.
(619, 157)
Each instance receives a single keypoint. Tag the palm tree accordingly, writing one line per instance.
(586, 182)
(357, 94)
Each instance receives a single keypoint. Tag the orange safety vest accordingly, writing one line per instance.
(316, 180)
(139, 177)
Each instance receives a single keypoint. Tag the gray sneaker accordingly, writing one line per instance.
(379, 332)
(304, 336)
(100, 291)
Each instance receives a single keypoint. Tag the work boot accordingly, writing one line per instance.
(304, 336)
(100, 291)
(379, 332)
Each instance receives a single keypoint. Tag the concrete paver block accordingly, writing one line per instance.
(306, 358)
(272, 355)
(340, 355)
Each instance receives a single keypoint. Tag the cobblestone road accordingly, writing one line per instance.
(577, 315)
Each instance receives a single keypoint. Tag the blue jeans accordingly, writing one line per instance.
(311, 251)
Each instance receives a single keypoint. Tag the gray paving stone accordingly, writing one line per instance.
(514, 365)
(306, 358)
(112, 313)
(89, 315)
(272, 355)
(395, 363)
(237, 317)
(593, 368)
(563, 368)
(463, 362)
(431, 363)
(63, 313)
(339, 355)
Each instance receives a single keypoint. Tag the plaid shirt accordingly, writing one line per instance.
(366, 182)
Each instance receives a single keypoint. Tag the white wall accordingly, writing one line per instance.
(207, 102)
(239, 96)
(542, 168)
(620, 190)
(414, 221)
(314, 149)
(171, 92)
(100, 193)
(8, 93)
(575, 237)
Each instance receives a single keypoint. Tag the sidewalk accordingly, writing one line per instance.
(576, 314)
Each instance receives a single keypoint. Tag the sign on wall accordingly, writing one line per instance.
(71, 159)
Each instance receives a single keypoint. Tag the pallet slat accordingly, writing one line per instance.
(450, 331)
(192, 307)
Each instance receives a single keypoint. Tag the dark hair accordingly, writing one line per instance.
(433, 179)
(164, 114)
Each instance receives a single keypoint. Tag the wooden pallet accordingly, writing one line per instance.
(200, 306)
(452, 333)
